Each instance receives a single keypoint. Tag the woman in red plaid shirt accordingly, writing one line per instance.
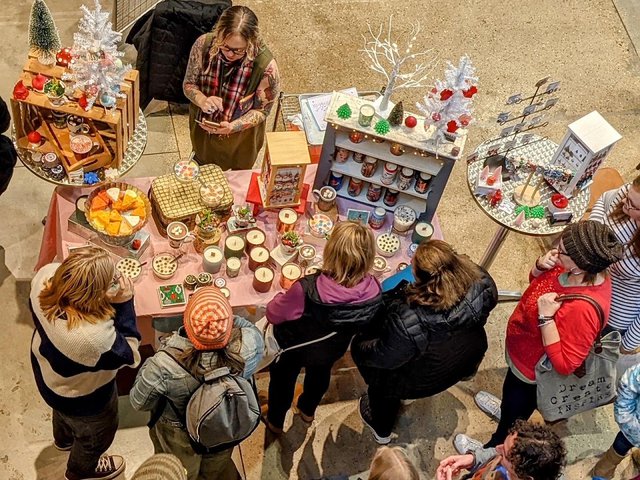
(232, 81)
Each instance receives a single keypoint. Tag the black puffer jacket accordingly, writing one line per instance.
(414, 352)
(163, 38)
(8, 154)
(320, 319)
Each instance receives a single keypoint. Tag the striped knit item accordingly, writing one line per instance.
(625, 274)
(75, 369)
(208, 319)
(161, 466)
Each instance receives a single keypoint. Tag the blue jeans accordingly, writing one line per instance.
(621, 445)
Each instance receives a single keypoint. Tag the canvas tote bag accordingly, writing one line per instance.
(592, 384)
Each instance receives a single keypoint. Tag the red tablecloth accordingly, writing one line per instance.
(57, 238)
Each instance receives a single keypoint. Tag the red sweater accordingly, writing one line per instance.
(577, 323)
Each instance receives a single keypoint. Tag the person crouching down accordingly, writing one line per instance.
(207, 341)
(429, 336)
(85, 331)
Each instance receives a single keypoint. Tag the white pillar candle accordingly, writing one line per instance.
(212, 259)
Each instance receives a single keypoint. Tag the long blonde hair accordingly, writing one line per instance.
(442, 277)
(392, 463)
(348, 255)
(78, 287)
(242, 21)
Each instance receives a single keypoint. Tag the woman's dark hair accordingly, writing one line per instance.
(537, 452)
(618, 215)
(228, 356)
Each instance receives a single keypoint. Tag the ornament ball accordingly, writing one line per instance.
(411, 121)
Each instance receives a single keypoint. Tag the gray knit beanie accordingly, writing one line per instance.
(161, 466)
(591, 245)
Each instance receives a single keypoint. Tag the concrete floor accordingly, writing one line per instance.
(582, 43)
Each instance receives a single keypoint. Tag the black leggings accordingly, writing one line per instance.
(519, 400)
(282, 385)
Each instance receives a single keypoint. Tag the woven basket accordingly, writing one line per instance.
(118, 240)
(179, 202)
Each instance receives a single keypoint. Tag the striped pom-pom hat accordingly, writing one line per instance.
(208, 319)
(161, 466)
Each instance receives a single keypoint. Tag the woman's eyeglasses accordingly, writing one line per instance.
(630, 205)
(235, 51)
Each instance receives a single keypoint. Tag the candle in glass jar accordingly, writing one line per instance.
(212, 259)
(422, 231)
(289, 274)
(254, 238)
(258, 257)
(366, 115)
(262, 279)
(356, 137)
(233, 246)
(233, 267)
(287, 218)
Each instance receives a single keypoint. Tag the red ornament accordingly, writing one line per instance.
(83, 102)
(136, 244)
(64, 57)
(446, 94)
(34, 137)
(559, 200)
(452, 126)
(38, 82)
(495, 198)
(470, 92)
(436, 117)
(20, 92)
(434, 90)
(465, 119)
(411, 121)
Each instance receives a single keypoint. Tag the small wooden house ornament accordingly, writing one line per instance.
(584, 147)
(285, 162)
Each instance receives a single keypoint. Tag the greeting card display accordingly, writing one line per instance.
(584, 147)
(285, 162)
(171, 295)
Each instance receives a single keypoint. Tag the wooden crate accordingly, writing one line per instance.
(111, 129)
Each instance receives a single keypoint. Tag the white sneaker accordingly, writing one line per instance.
(406, 403)
(489, 404)
(365, 415)
(465, 444)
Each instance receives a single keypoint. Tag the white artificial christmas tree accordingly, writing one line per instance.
(449, 104)
(96, 68)
(44, 39)
(399, 66)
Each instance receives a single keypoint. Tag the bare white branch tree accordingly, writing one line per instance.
(386, 59)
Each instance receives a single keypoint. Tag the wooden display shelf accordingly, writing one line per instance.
(353, 169)
(110, 129)
(430, 164)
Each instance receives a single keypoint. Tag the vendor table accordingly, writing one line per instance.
(540, 151)
(57, 239)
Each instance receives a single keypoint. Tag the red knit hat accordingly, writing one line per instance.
(208, 319)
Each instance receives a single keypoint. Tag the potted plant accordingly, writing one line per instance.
(243, 216)
(207, 231)
(290, 242)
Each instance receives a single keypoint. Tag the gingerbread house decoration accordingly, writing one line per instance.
(584, 147)
(285, 162)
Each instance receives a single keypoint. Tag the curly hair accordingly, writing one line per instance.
(537, 452)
